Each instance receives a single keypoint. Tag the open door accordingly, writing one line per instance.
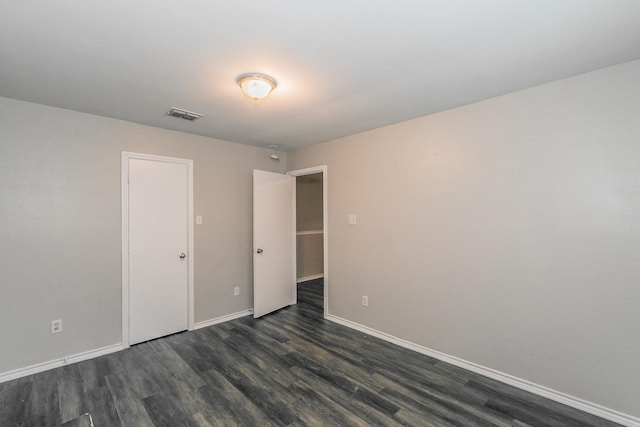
(273, 269)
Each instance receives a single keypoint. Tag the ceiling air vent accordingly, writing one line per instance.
(184, 114)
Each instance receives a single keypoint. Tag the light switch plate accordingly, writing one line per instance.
(352, 219)
(199, 220)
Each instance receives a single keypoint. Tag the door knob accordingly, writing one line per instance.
(259, 251)
(182, 255)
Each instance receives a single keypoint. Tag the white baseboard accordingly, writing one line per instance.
(557, 396)
(222, 319)
(312, 277)
(79, 357)
(44, 366)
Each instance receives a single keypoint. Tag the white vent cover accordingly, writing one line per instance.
(184, 114)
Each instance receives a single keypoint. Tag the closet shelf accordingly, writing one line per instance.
(305, 232)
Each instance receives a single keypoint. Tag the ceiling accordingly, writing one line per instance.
(342, 66)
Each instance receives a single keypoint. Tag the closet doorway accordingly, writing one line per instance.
(311, 231)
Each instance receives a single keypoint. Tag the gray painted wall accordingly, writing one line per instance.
(309, 202)
(506, 233)
(310, 255)
(60, 226)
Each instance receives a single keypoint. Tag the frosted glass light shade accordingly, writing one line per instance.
(256, 86)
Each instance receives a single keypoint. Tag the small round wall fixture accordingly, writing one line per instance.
(274, 155)
(256, 86)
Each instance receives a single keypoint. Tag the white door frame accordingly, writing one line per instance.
(325, 230)
(126, 156)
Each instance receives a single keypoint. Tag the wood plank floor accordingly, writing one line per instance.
(290, 368)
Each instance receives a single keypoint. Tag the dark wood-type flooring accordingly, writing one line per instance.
(290, 368)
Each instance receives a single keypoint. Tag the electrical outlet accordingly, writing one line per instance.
(365, 301)
(56, 326)
(236, 291)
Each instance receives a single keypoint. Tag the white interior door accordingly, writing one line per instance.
(158, 248)
(273, 260)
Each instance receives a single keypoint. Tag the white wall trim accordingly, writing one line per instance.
(222, 319)
(325, 225)
(45, 366)
(312, 277)
(91, 354)
(529, 386)
(124, 172)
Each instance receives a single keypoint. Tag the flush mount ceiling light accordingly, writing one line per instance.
(256, 86)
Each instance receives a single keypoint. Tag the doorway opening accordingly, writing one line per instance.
(311, 235)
